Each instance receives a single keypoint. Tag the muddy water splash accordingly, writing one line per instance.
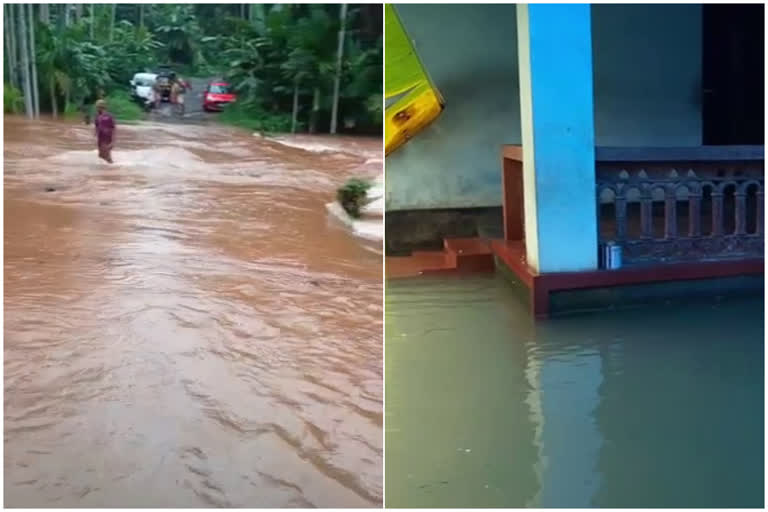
(185, 327)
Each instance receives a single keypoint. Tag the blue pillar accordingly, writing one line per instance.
(556, 111)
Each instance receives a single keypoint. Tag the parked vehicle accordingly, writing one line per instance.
(217, 96)
(165, 79)
(142, 85)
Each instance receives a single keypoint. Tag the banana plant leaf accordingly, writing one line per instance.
(412, 101)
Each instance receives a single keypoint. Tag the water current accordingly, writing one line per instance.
(187, 327)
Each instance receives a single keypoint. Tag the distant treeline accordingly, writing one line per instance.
(300, 67)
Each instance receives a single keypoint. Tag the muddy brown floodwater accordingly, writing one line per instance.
(186, 327)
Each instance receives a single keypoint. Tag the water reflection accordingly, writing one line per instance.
(649, 407)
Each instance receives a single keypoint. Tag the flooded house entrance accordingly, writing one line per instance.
(609, 406)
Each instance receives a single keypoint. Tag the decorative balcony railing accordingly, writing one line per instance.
(677, 205)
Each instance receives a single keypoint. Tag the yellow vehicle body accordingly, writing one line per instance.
(412, 100)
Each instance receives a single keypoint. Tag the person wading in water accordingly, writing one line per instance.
(105, 130)
(178, 89)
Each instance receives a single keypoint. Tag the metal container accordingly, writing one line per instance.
(606, 255)
(613, 256)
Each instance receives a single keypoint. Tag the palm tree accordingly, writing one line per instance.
(10, 45)
(25, 61)
(180, 31)
(35, 90)
(53, 61)
(339, 57)
(310, 58)
(112, 22)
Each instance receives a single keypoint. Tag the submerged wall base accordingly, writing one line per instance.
(564, 292)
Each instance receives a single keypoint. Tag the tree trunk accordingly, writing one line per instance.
(25, 61)
(242, 11)
(295, 115)
(93, 18)
(45, 14)
(337, 78)
(315, 111)
(54, 107)
(15, 47)
(78, 12)
(258, 17)
(35, 90)
(141, 15)
(10, 45)
(112, 23)
(66, 15)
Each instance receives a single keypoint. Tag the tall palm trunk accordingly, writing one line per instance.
(112, 23)
(45, 14)
(141, 15)
(10, 45)
(315, 111)
(52, 90)
(295, 115)
(35, 90)
(66, 15)
(337, 78)
(258, 16)
(93, 19)
(28, 106)
(78, 12)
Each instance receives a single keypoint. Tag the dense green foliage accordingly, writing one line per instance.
(282, 59)
(13, 101)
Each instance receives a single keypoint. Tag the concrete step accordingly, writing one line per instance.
(459, 256)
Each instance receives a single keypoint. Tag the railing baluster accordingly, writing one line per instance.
(646, 212)
(600, 190)
(717, 212)
(711, 181)
(694, 210)
(670, 212)
(741, 211)
(621, 216)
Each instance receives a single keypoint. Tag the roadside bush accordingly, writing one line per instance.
(13, 100)
(72, 112)
(255, 119)
(122, 107)
(352, 196)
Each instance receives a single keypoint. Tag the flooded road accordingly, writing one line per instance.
(186, 328)
(658, 406)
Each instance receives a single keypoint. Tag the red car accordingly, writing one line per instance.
(217, 95)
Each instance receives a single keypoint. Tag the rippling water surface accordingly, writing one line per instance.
(186, 327)
(653, 407)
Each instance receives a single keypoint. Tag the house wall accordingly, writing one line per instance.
(647, 72)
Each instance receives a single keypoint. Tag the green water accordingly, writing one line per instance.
(651, 407)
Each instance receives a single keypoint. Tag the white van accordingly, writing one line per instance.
(141, 86)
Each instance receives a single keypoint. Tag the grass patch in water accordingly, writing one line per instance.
(352, 196)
